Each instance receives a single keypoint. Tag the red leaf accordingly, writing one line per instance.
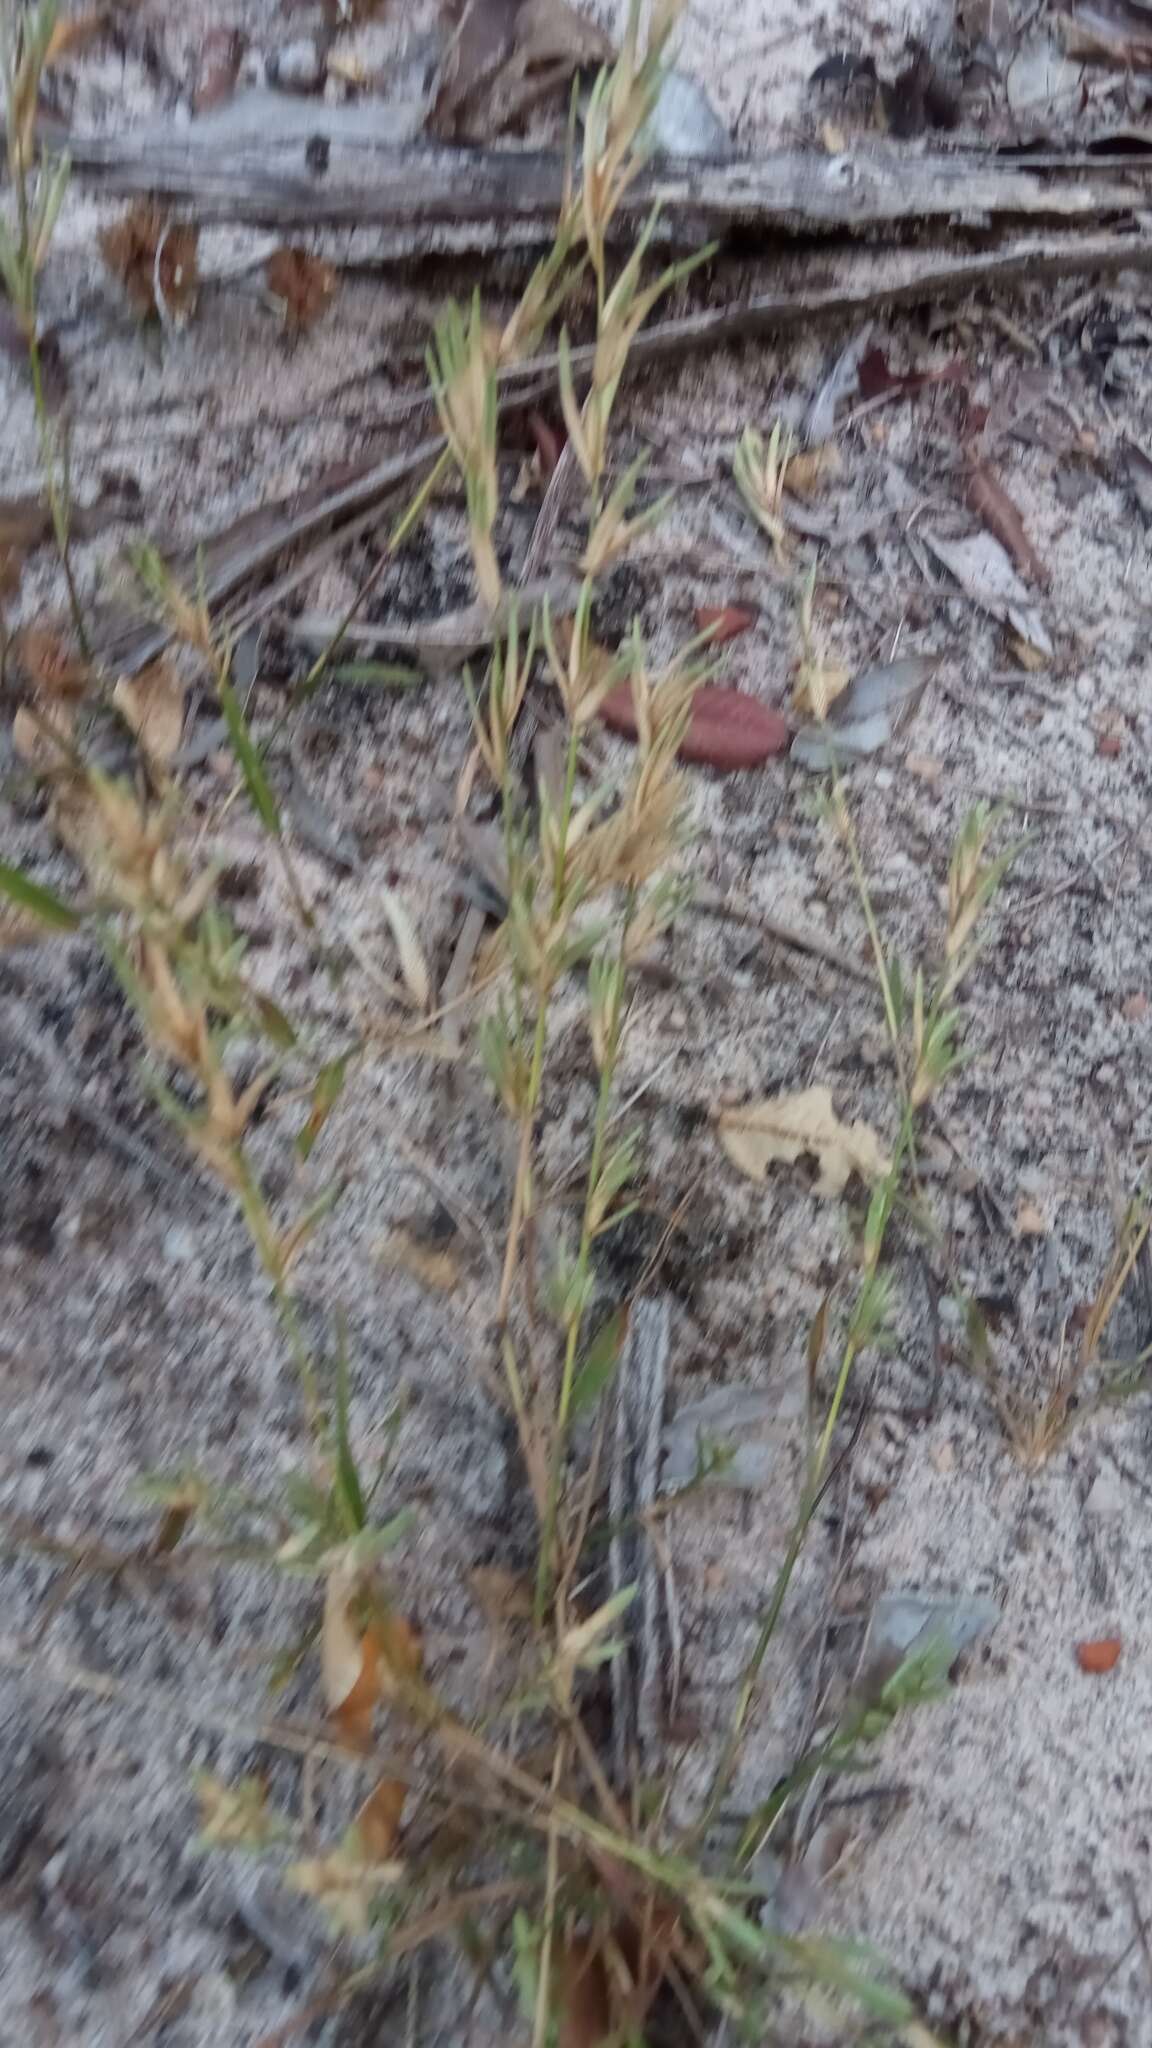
(725, 622)
(988, 499)
(1099, 1656)
(727, 729)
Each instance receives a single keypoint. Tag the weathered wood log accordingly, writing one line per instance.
(334, 176)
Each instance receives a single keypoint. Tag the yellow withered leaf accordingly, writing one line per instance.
(782, 1127)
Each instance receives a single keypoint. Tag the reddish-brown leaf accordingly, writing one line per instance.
(223, 53)
(876, 378)
(723, 622)
(1099, 1656)
(727, 729)
(303, 282)
(549, 443)
(988, 499)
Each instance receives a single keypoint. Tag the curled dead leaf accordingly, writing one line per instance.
(155, 260)
(782, 1127)
(304, 285)
(727, 728)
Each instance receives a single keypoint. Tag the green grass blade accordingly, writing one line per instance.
(251, 766)
(39, 902)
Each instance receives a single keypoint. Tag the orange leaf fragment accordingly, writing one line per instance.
(1099, 1656)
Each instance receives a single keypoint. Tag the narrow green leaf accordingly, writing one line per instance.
(385, 675)
(349, 1492)
(600, 1364)
(38, 901)
(326, 1093)
(251, 766)
(274, 1023)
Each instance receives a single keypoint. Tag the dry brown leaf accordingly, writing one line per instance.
(32, 736)
(349, 1657)
(378, 1822)
(818, 684)
(413, 965)
(222, 55)
(501, 1595)
(303, 284)
(482, 41)
(152, 703)
(782, 1127)
(434, 1266)
(154, 259)
(804, 473)
(24, 524)
(1030, 1222)
(53, 669)
(363, 1661)
(507, 55)
(727, 728)
(988, 499)
(724, 622)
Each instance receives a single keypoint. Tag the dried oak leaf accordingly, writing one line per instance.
(781, 1127)
(988, 499)
(154, 259)
(303, 283)
(727, 728)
